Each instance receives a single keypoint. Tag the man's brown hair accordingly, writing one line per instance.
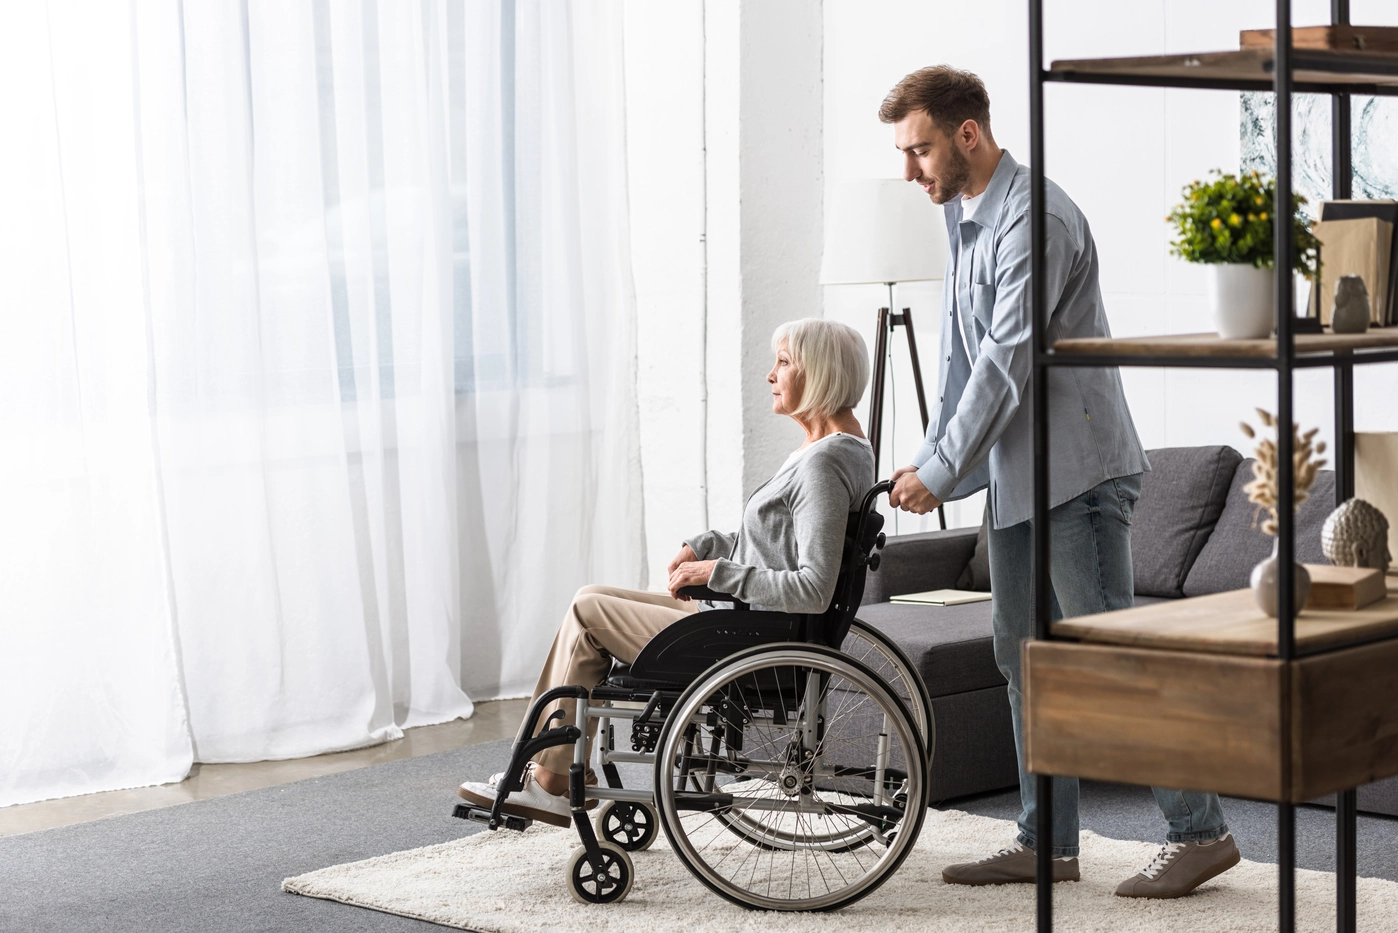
(950, 97)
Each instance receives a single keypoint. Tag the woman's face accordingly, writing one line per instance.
(785, 382)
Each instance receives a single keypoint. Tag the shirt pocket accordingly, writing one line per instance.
(982, 308)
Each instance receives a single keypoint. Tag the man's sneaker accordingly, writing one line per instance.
(1012, 865)
(532, 802)
(1180, 867)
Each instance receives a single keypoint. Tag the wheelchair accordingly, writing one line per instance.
(790, 752)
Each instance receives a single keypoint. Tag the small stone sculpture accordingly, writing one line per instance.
(1356, 535)
(1351, 315)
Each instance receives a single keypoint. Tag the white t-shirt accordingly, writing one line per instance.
(968, 210)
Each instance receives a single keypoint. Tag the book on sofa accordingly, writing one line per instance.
(941, 598)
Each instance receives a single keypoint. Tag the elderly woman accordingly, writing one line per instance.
(785, 557)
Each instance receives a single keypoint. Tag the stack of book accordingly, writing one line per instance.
(1356, 238)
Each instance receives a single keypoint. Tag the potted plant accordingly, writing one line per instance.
(1226, 223)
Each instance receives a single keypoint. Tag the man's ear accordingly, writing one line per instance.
(970, 134)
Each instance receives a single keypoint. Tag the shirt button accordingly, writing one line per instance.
(939, 398)
(948, 359)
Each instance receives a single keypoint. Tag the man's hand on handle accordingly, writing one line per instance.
(909, 494)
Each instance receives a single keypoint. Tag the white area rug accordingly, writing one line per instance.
(506, 882)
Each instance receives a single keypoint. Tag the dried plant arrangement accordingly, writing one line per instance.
(1263, 488)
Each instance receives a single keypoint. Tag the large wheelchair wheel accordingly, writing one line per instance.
(790, 777)
(881, 654)
(887, 659)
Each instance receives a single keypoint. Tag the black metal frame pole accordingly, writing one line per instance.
(1346, 861)
(906, 319)
(887, 321)
(1043, 784)
(875, 426)
(1344, 429)
(1283, 238)
(1346, 801)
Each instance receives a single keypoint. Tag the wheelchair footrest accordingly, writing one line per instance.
(465, 811)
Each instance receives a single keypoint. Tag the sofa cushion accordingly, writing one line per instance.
(949, 645)
(1237, 544)
(915, 563)
(976, 576)
(1182, 496)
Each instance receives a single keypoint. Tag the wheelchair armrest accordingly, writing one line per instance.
(703, 592)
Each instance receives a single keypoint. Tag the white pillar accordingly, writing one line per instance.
(724, 116)
(764, 110)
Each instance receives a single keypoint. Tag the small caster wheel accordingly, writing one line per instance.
(613, 883)
(633, 826)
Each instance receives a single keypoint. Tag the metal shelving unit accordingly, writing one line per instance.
(1283, 71)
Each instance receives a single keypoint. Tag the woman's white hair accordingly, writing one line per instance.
(832, 359)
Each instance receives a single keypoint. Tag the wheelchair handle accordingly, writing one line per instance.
(878, 489)
(871, 561)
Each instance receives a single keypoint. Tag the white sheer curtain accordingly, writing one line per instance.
(316, 371)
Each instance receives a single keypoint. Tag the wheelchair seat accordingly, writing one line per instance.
(622, 679)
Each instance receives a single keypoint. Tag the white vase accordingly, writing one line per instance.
(1264, 583)
(1243, 299)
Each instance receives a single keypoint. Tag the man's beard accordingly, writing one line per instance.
(954, 180)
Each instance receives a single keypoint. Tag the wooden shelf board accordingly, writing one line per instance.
(1309, 66)
(1214, 345)
(1230, 623)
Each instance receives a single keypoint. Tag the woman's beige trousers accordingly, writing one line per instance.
(604, 622)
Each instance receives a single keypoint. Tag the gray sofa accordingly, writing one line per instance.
(1192, 533)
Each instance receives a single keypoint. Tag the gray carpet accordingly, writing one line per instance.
(217, 865)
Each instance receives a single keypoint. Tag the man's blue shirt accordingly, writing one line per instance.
(980, 433)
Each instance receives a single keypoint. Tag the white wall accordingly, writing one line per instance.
(726, 167)
(1123, 154)
(665, 154)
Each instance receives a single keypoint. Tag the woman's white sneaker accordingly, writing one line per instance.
(533, 802)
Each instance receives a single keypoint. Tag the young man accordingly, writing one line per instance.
(980, 435)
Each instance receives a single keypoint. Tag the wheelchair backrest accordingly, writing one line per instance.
(861, 538)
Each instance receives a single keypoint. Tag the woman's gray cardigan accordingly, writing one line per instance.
(786, 557)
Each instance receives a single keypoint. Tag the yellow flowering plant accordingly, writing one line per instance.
(1229, 219)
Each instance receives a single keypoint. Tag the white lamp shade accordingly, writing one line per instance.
(883, 230)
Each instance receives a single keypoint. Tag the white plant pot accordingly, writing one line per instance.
(1243, 299)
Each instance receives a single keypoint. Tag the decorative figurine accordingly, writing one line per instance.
(1351, 315)
(1356, 535)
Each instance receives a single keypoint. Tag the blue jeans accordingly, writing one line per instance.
(1090, 569)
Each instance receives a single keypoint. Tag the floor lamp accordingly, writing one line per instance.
(885, 231)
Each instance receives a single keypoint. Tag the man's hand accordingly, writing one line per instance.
(685, 556)
(909, 494)
(690, 573)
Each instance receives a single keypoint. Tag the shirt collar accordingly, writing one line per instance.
(995, 192)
